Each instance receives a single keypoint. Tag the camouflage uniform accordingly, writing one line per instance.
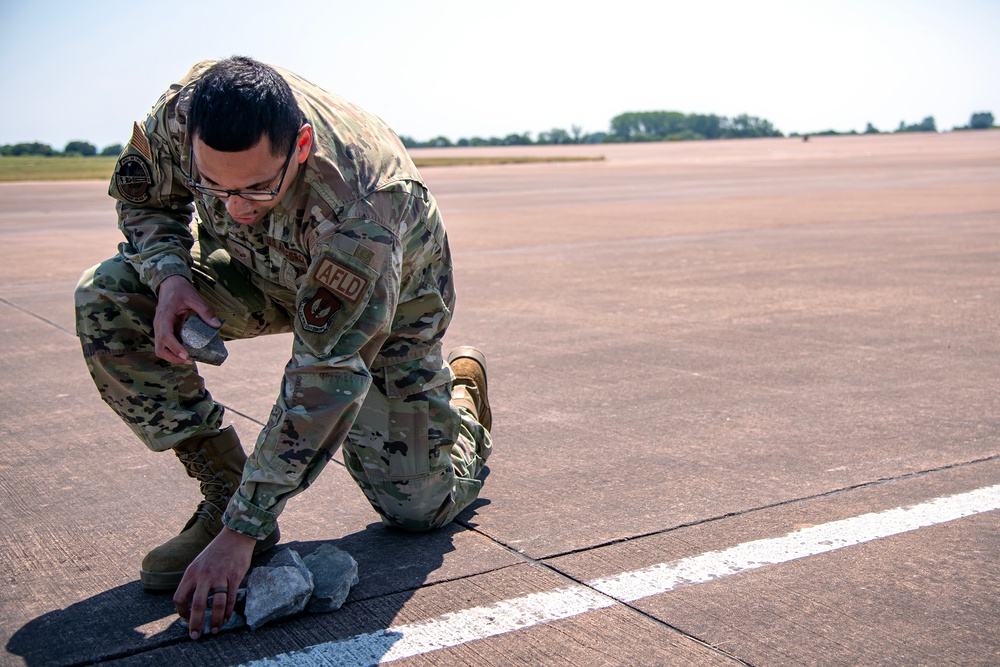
(353, 260)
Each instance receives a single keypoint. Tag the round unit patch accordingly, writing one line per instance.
(316, 313)
(133, 179)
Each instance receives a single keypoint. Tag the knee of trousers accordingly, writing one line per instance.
(426, 504)
(111, 300)
(416, 512)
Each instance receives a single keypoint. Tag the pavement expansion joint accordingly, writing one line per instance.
(134, 652)
(230, 408)
(36, 316)
(769, 506)
(899, 478)
(540, 563)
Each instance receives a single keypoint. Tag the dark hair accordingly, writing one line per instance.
(239, 100)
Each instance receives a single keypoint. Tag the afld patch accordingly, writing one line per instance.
(340, 279)
(133, 178)
(316, 312)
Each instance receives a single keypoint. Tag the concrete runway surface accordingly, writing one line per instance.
(746, 401)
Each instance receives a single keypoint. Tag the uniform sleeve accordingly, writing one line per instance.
(154, 206)
(344, 311)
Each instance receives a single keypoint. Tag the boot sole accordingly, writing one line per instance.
(167, 582)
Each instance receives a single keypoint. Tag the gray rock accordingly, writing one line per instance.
(202, 341)
(334, 573)
(288, 558)
(280, 588)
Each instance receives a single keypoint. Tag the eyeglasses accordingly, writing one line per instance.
(249, 195)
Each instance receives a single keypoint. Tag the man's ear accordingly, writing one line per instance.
(305, 142)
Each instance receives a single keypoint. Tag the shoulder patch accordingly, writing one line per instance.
(140, 143)
(332, 298)
(133, 178)
(316, 312)
(342, 280)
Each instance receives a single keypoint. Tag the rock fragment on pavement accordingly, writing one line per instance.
(281, 588)
(289, 584)
(334, 573)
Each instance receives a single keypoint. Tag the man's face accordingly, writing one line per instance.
(256, 168)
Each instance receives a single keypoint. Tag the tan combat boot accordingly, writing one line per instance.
(469, 366)
(217, 462)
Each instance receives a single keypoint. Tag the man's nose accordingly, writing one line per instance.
(239, 207)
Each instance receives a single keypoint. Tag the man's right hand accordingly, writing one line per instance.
(176, 298)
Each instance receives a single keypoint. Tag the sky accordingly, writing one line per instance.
(86, 69)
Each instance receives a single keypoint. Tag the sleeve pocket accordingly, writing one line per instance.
(332, 297)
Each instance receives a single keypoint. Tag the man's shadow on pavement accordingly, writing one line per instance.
(127, 622)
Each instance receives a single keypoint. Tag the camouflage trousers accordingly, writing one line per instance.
(165, 404)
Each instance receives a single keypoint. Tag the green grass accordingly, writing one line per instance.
(38, 168)
(459, 161)
(58, 168)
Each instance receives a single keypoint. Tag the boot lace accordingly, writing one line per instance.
(213, 486)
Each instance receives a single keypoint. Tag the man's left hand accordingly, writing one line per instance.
(217, 571)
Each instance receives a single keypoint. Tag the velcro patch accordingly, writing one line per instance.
(343, 281)
(366, 255)
(275, 417)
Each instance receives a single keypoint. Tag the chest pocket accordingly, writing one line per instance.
(292, 265)
(242, 253)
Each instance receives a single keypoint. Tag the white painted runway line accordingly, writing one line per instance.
(506, 616)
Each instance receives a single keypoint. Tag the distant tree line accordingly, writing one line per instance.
(627, 127)
(73, 148)
(982, 120)
(677, 126)
(554, 136)
(632, 126)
